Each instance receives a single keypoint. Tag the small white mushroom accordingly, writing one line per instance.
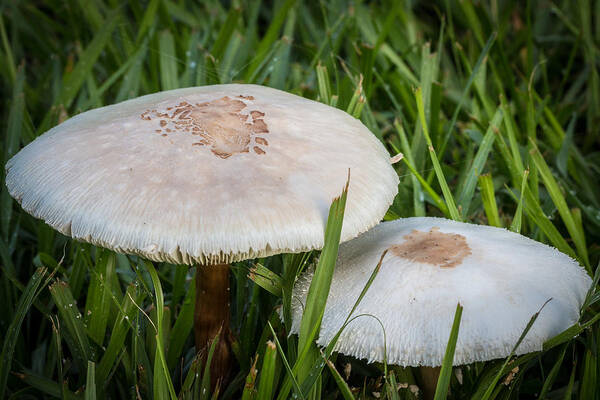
(500, 278)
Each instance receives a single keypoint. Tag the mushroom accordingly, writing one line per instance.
(205, 176)
(500, 278)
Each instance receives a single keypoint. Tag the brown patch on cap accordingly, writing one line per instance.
(220, 124)
(445, 250)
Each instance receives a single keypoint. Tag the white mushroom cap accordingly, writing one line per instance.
(204, 175)
(500, 278)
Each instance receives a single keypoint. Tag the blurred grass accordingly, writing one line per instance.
(494, 105)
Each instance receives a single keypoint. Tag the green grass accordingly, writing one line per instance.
(494, 105)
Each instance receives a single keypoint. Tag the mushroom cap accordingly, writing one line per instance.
(204, 175)
(500, 278)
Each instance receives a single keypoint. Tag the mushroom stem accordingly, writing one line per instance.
(429, 378)
(211, 317)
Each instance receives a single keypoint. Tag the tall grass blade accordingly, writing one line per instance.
(284, 393)
(482, 56)
(268, 39)
(162, 379)
(577, 235)
(72, 321)
(436, 164)
(553, 373)
(11, 145)
(319, 288)
(32, 290)
(468, 188)
(267, 373)
(122, 325)
(184, 323)
(73, 81)
(515, 226)
(488, 197)
(90, 383)
(168, 61)
(443, 384)
(98, 300)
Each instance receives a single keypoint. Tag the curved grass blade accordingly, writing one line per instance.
(490, 387)
(283, 394)
(318, 365)
(341, 383)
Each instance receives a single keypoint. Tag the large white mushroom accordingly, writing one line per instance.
(499, 277)
(205, 176)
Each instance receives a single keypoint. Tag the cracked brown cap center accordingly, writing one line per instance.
(446, 250)
(224, 125)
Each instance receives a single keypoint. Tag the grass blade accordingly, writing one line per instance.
(71, 319)
(168, 61)
(32, 290)
(488, 197)
(90, 383)
(318, 365)
(553, 373)
(268, 39)
(465, 91)
(443, 384)
(468, 188)
(182, 328)
(73, 81)
(341, 383)
(297, 391)
(162, 379)
(515, 226)
(249, 392)
(266, 279)
(319, 288)
(561, 204)
(98, 300)
(267, 373)
(490, 388)
(11, 145)
(118, 333)
(205, 384)
(436, 164)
